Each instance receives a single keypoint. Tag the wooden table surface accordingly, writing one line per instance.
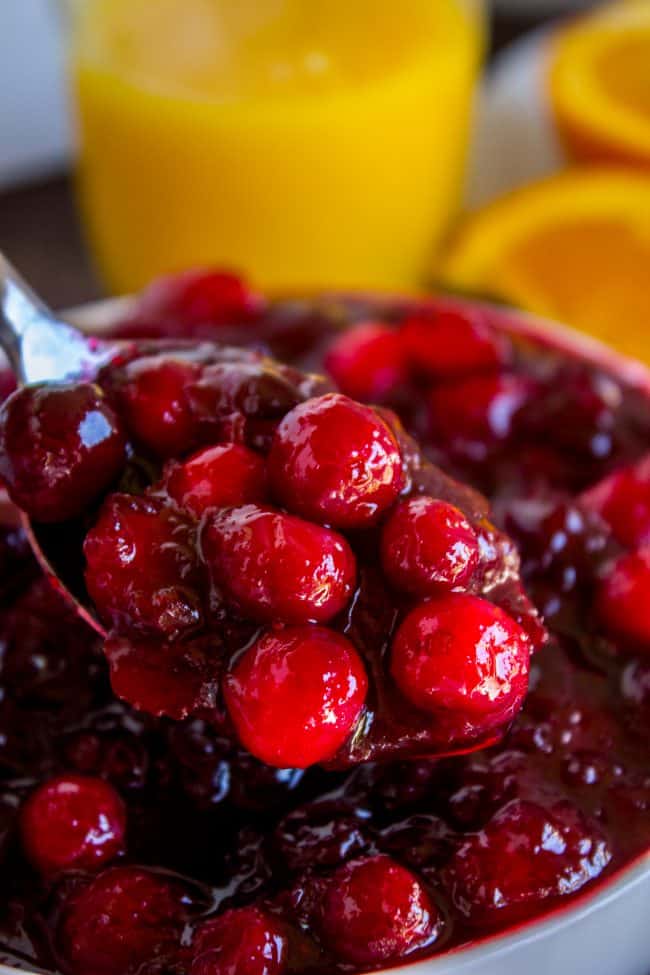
(40, 230)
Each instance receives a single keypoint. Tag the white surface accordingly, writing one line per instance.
(514, 141)
(34, 133)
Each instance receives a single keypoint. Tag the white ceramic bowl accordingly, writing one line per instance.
(603, 931)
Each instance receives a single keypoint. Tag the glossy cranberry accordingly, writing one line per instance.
(295, 695)
(242, 941)
(623, 501)
(335, 461)
(321, 834)
(243, 400)
(367, 362)
(271, 566)
(525, 855)
(428, 545)
(422, 840)
(141, 567)
(481, 409)
(61, 447)
(448, 342)
(375, 911)
(153, 398)
(217, 477)
(165, 679)
(199, 297)
(462, 654)
(125, 918)
(72, 821)
(623, 597)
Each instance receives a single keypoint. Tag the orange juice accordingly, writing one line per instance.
(308, 142)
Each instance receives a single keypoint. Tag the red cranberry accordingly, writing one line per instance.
(421, 840)
(272, 566)
(321, 834)
(141, 567)
(336, 461)
(448, 342)
(623, 501)
(462, 654)
(125, 918)
(73, 821)
(367, 362)
(479, 409)
(623, 598)
(376, 911)
(61, 447)
(428, 545)
(295, 695)
(170, 679)
(199, 297)
(243, 941)
(525, 855)
(217, 477)
(241, 400)
(154, 399)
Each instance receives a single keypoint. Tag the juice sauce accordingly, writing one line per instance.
(311, 143)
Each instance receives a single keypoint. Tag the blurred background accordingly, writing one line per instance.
(500, 149)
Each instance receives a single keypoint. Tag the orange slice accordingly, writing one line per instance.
(600, 84)
(575, 247)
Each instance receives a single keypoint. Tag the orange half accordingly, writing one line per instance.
(575, 247)
(600, 84)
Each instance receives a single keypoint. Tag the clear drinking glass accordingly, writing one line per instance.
(307, 142)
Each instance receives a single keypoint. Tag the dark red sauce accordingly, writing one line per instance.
(224, 864)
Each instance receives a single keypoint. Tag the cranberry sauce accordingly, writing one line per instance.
(135, 842)
(288, 566)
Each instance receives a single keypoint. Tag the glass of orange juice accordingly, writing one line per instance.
(306, 142)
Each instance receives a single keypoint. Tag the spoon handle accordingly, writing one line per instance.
(19, 309)
(38, 346)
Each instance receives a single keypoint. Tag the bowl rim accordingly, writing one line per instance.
(96, 316)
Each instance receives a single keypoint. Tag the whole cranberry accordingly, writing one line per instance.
(320, 834)
(623, 597)
(153, 396)
(524, 856)
(61, 447)
(421, 840)
(142, 568)
(164, 679)
(428, 545)
(72, 821)
(480, 409)
(462, 654)
(273, 566)
(367, 362)
(242, 941)
(217, 477)
(125, 918)
(623, 501)
(295, 695)
(335, 461)
(206, 296)
(375, 911)
(447, 342)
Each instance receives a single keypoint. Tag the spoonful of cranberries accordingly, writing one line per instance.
(259, 550)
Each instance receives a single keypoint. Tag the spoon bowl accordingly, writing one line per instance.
(42, 348)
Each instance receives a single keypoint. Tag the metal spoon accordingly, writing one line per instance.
(42, 348)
